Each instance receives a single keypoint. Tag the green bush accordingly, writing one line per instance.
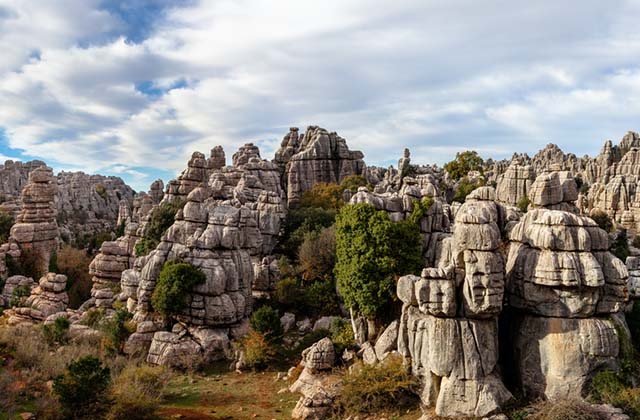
(120, 230)
(144, 246)
(116, 330)
(603, 220)
(371, 251)
(609, 387)
(137, 393)
(82, 389)
(523, 203)
(342, 335)
(19, 295)
(266, 321)
(321, 298)
(102, 191)
(53, 262)
(464, 163)
(6, 221)
(386, 386)
(289, 295)
(28, 264)
(353, 182)
(299, 223)
(174, 283)
(56, 333)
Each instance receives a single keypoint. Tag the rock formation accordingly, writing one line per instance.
(46, 299)
(318, 386)
(317, 156)
(449, 327)
(514, 183)
(36, 229)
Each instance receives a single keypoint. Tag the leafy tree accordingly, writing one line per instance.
(74, 263)
(353, 182)
(603, 220)
(175, 281)
(323, 195)
(464, 188)
(317, 254)
(371, 251)
(266, 321)
(116, 330)
(299, 223)
(82, 389)
(464, 163)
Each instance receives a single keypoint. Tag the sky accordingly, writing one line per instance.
(132, 88)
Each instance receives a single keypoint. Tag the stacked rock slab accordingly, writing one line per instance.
(48, 298)
(36, 228)
(567, 293)
(317, 156)
(318, 386)
(514, 183)
(225, 229)
(449, 328)
(196, 175)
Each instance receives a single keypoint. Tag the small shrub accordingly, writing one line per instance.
(137, 393)
(82, 389)
(523, 203)
(144, 246)
(603, 220)
(289, 294)
(116, 330)
(161, 219)
(93, 317)
(175, 281)
(19, 296)
(53, 262)
(56, 333)
(610, 387)
(342, 335)
(266, 321)
(259, 351)
(120, 229)
(564, 410)
(301, 221)
(374, 389)
(464, 163)
(464, 188)
(102, 191)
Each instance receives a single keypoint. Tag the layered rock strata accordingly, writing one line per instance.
(448, 328)
(46, 299)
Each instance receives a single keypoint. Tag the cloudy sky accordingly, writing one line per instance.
(131, 88)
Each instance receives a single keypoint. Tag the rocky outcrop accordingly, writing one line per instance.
(46, 299)
(12, 286)
(514, 183)
(554, 190)
(196, 175)
(316, 156)
(449, 327)
(566, 289)
(36, 229)
(318, 386)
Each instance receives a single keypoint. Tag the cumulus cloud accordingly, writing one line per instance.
(132, 91)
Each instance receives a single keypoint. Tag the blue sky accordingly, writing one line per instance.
(131, 88)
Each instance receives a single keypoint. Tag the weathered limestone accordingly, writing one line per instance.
(560, 276)
(449, 327)
(317, 156)
(514, 183)
(46, 299)
(36, 228)
(318, 386)
(10, 286)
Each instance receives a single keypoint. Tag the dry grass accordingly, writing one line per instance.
(564, 410)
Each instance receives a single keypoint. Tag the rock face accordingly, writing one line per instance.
(36, 228)
(566, 289)
(196, 175)
(47, 299)
(317, 156)
(227, 228)
(449, 327)
(318, 386)
(514, 183)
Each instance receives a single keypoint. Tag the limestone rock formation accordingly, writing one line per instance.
(46, 299)
(565, 287)
(317, 156)
(514, 183)
(318, 386)
(36, 228)
(11, 285)
(449, 326)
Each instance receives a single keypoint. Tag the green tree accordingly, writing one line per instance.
(266, 321)
(464, 188)
(162, 217)
(82, 389)
(463, 163)
(371, 251)
(6, 221)
(175, 281)
(603, 220)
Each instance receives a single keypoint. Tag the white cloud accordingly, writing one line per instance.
(435, 77)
